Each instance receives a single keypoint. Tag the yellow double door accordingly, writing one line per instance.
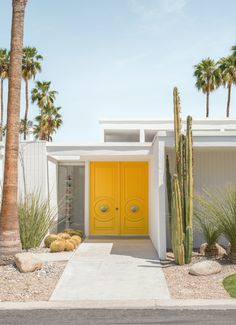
(118, 198)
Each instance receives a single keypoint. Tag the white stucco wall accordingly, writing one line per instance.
(33, 168)
(157, 221)
(213, 169)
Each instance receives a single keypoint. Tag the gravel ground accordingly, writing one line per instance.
(182, 285)
(34, 286)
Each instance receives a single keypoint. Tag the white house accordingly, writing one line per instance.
(117, 186)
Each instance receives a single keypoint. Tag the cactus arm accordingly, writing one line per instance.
(169, 185)
(189, 192)
(177, 228)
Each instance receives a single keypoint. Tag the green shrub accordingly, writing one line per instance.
(220, 207)
(206, 223)
(35, 219)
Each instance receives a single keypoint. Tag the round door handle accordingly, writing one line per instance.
(134, 208)
(117, 209)
(103, 208)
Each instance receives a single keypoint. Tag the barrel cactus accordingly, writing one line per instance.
(74, 232)
(181, 201)
(63, 235)
(69, 246)
(49, 239)
(77, 239)
(73, 242)
(58, 246)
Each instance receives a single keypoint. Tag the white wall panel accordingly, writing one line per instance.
(213, 169)
(33, 168)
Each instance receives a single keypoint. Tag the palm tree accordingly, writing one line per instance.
(4, 69)
(48, 123)
(43, 96)
(208, 78)
(227, 68)
(31, 65)
(25, 127)
(9, 227)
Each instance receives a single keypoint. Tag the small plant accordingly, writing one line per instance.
(210, 229)
(35, 219)
(220, 207)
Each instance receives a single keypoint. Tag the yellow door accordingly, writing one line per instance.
(104, 198)
(134, 198)
(119, 198)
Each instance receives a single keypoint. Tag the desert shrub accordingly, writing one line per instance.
(35, 219)
(220, 207)
(206, 223)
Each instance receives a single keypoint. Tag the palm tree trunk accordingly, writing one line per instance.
(26, 107)
(9, 226)
(207, 104)
(228, 101)
(1, 123)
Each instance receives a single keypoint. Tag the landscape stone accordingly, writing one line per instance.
(220, 250)
(27, 262)
(205, 268)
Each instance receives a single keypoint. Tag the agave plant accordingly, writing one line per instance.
(220, 208)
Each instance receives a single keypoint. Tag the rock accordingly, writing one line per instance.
(28, 262)
(205, 268)
(220, 250)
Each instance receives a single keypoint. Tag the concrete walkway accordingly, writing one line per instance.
(112, 269)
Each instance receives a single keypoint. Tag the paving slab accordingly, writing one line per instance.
(112, 269)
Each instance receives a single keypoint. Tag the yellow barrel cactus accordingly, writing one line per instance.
(58, 246)
(49, 239)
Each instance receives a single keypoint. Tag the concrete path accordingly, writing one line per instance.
(113, 269)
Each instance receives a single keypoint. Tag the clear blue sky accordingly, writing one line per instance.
(121, 58)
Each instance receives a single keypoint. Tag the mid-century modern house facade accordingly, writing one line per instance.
(117, 187)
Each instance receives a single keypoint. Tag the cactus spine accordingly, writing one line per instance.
(182, 196)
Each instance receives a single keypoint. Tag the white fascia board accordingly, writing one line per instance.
(161, 121)
(205, 141)
(99, 145)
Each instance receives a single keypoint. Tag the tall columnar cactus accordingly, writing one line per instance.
(182, 196)
(177, 227)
